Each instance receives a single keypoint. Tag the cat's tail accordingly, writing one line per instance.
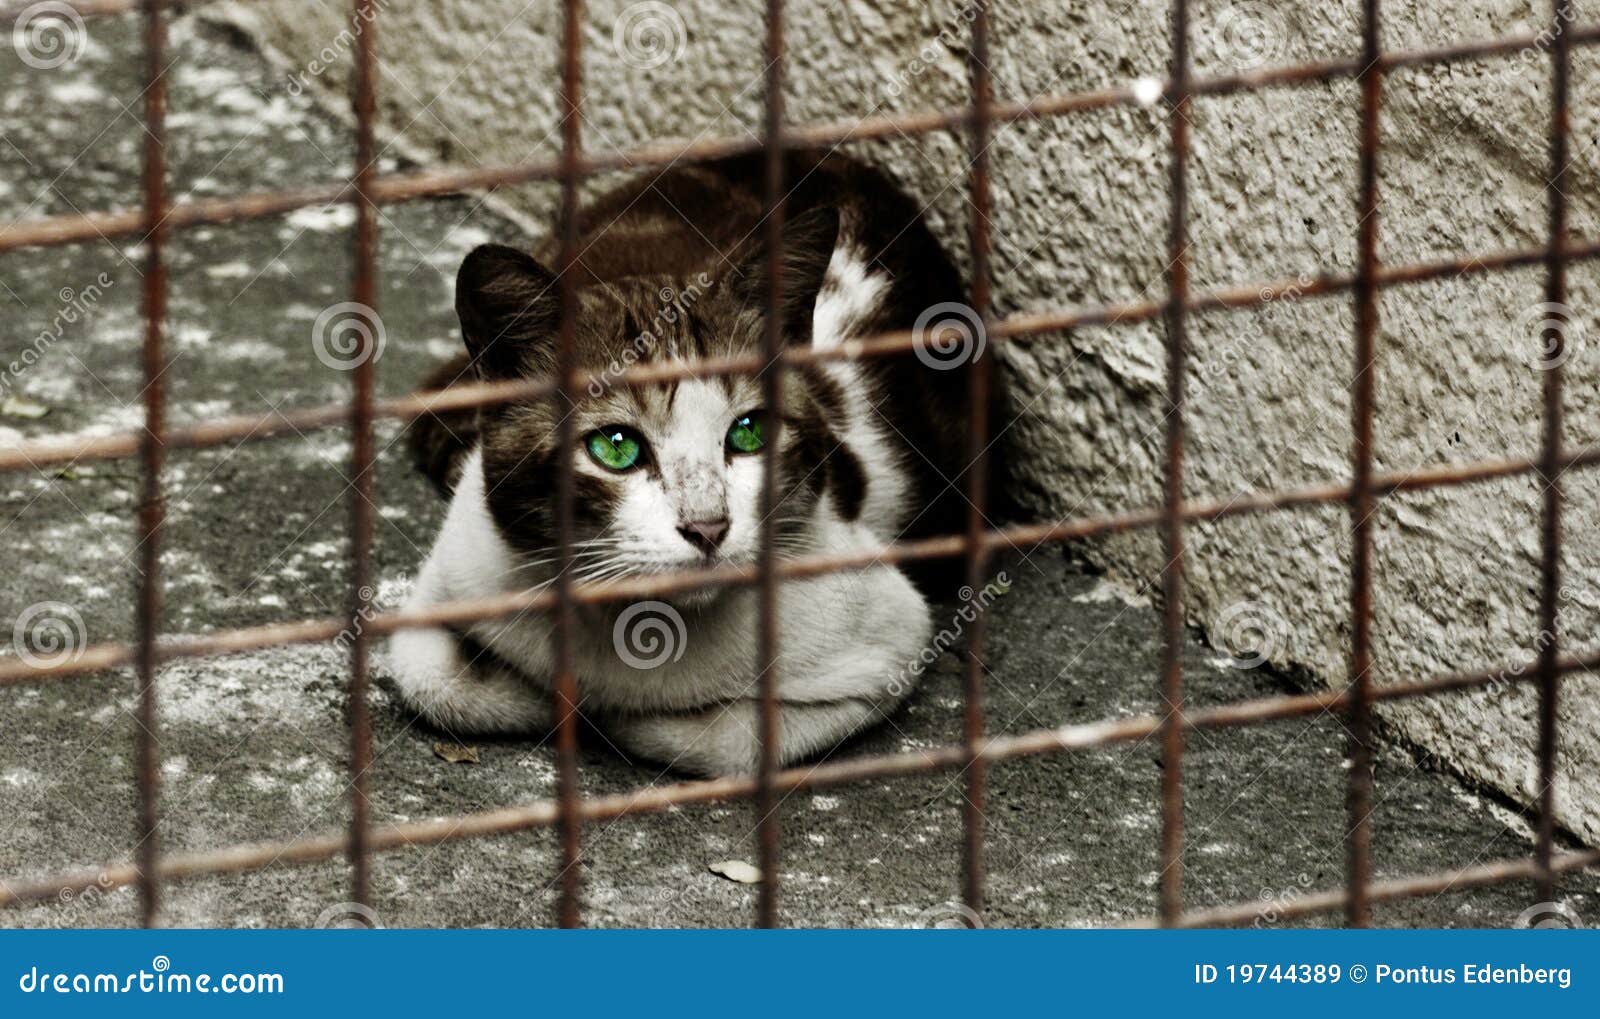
(440, 442)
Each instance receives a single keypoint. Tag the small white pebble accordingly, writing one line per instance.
(736, 870)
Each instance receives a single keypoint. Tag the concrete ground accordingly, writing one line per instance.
(254, 746)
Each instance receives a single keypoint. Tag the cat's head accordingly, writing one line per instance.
(667, 476)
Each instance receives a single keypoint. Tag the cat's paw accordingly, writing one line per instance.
(461, 688)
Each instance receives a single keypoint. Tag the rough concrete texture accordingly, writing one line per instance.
(255, 746)
(1080, 211)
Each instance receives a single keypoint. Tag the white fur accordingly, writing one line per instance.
(696, 482)
(851, 293)
(846, 639)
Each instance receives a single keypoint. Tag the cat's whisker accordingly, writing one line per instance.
(579, 552)
(693, 487)
(607, 569)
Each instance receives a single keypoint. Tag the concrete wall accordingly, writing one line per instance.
(1081, 208)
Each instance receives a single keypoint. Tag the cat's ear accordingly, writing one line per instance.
(808, 242)
(509, 306)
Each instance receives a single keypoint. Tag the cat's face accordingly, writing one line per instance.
(667, 476)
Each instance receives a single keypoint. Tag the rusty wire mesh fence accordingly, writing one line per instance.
(366, 190)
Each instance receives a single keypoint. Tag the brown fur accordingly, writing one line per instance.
(671, 231)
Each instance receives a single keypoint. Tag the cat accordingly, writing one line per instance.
(668, 476)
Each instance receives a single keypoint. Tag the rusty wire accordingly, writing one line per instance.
(156, 217)
(98, 657)
(1362, 501)
(392, 188)
(151, 507)
(564, 688)
(655, 799)
(775, 188)
(219, 431)
(1550, 454)
(1172, 522)
(364, 384)
(976, 549)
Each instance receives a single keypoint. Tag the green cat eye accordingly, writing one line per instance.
(616, 448)
(747, 434)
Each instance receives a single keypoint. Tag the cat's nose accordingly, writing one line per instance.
(705, 535)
